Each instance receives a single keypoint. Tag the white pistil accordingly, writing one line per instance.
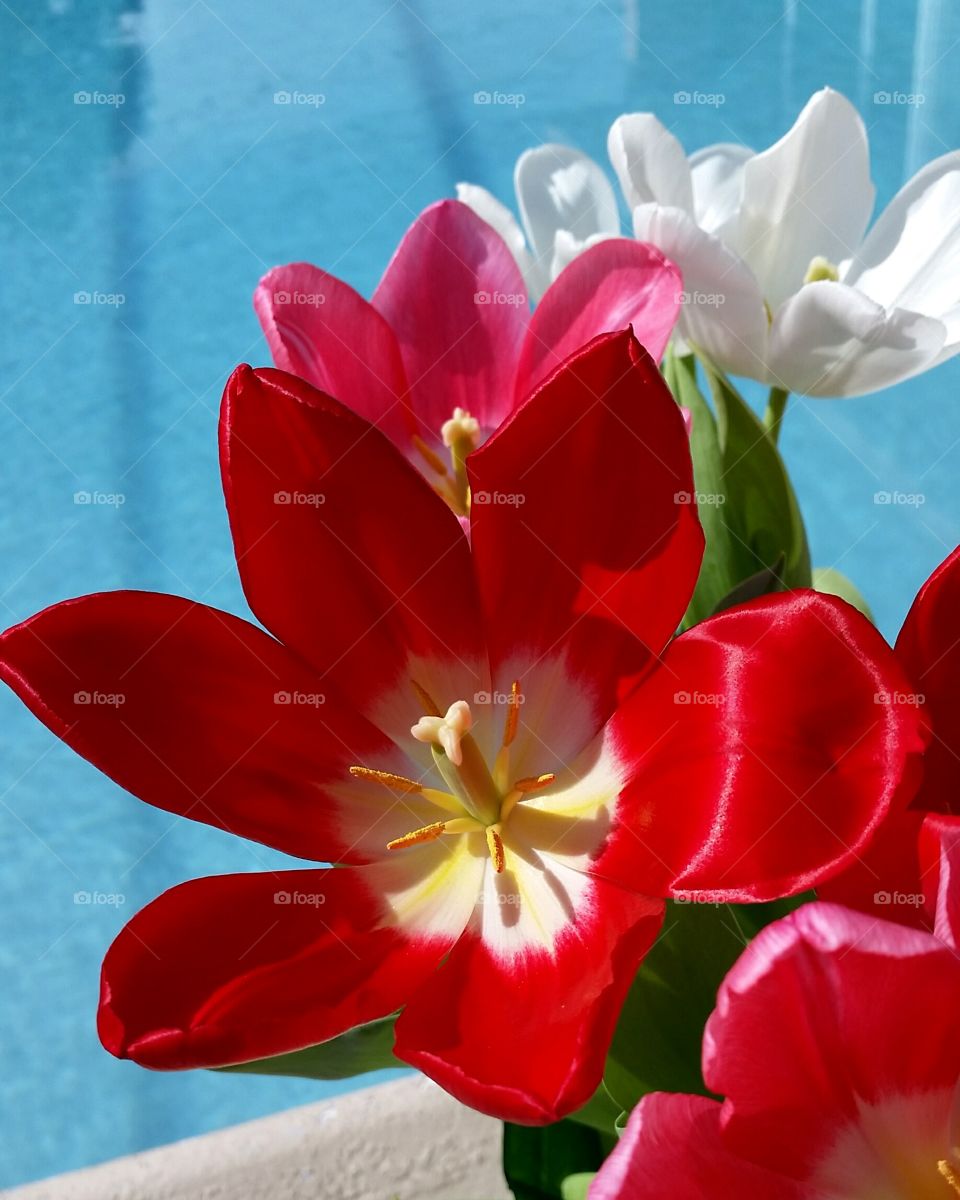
(447, 731)
(461, 431)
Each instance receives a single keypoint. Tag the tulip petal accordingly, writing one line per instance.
(929, 649)
(232, 968)
(809, 194)
(559, 188)
(911, 257)
(831, 340)
(769, 722)
(345, 553)
(457, 303)
(319, 328)
(570, 593)
(496, 214)
(717, 176)
(476, 1027)
(615, 284)
(672, 1147)
(204, 715)
(723, 313)
(650, 163)
(858, 1017)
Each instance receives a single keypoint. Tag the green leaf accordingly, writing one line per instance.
(577, 1187)
(835, 583)
(549, 1162)
(366, 1048)
(717, 574)
(760, 507)
(600, 1112)
(657, 1043)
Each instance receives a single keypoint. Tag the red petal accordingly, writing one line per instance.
(581, 545)
(828, 1012)
(929, 647)
(616, 283)
(456, 301)
(672, 1148)
(760, 759)
(237, 967)
(322, 330)
(524, 1038)
(179, 704)
(345, 553)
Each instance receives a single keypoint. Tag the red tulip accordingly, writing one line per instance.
(896, 876)
(836, 1046)
(447, 348)
(493, 740)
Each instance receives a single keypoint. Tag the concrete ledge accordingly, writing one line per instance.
(405, 1140)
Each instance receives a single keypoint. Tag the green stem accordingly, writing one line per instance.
(776, 405)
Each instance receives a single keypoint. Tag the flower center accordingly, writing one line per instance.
(478, 799)
(460, 434)
(821, 268)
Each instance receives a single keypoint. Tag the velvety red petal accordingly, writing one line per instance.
(237, 967)
(587, 549)
(827, 1014)
(761, 755)
(344, 551)
(929, 647)
(672, 1148)
(199, 713)
(617, 283)
(319, 328)
(455, 299)
(523, 1037)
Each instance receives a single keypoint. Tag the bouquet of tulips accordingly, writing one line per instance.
(621, 821)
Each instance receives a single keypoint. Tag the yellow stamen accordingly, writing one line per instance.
(513, 713)
(397, 783)
(427, 702)
(949, 1174)
(495, 846)
(429, 833)
(433, 460)
(535, 783)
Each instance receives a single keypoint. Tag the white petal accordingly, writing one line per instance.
(717, 176)
(566, 248)
(560, 188)
(722, 312)
(911, 257)
(487, 206)
(831, 340)
(649, 162)
(809, 194)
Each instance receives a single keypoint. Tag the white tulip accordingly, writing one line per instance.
(782, 281)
